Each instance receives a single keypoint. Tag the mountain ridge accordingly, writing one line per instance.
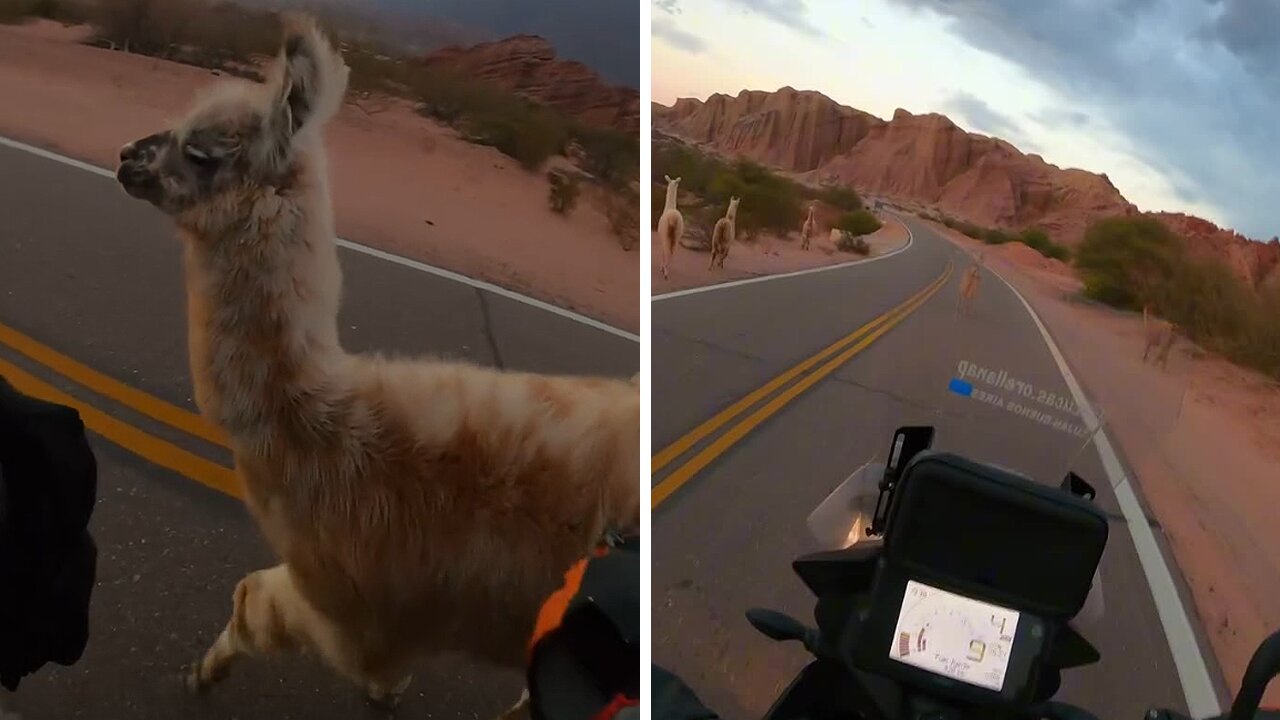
(928, 159)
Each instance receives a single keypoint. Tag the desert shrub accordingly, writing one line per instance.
(857, 223)
(1127, 262)
(529, 137)
(993, 236)
(1123, 260)
(622, 210)
(695, 170)
(563, 192)
(65, 11)
(611, 156)
(769, 202)
(207, 34)
(838, 196)
(1040, 241)
(965, 228)
(852, 244)
(657, 201)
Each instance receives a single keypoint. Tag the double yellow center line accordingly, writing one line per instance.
(148, 446)
(843, 350)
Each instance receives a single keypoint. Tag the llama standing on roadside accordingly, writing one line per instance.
(417, 506)
(806, 231)
(722, 235)
(670, 224)
(1160, 334)
(969, 285)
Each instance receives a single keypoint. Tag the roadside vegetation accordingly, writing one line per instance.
(234, 39)
(1033, 238)
(771, 203)
(1131, 262)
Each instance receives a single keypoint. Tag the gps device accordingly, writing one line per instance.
(981, 569)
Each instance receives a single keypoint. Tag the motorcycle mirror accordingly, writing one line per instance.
(776, 625)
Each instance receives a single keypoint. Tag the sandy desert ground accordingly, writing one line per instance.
(1204, 437)
(401, 183)
(766, 256)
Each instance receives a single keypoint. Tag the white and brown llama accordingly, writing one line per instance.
(416, 506)
(1158, 334)
(722, 235)
(670, 225)
(970, 282)
(809, 227)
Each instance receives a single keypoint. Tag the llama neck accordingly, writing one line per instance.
(262, 313)
(671, 197)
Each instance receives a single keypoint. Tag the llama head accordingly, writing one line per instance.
(241, 139)
(733, 207)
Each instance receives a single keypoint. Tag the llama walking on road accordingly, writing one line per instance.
(722, 235)
(670, 225)
(970, 282)
(1160, 334)
(810, 225)
(417, 507)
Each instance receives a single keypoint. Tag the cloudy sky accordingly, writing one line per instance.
(1178, 101)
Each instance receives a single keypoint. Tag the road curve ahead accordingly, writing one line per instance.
(732, 495)
(92, 310)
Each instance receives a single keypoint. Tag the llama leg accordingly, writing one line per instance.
(269, 616)
(387, 693)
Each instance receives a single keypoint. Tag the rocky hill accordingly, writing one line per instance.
(527, 64)
(928, 160)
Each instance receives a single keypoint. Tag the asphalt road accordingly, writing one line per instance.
(724, 540)
(95, 276)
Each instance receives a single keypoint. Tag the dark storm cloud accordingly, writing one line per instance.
(981, 118)
(793, 14)
(1194, 86)
(670, 31)
(604, 34)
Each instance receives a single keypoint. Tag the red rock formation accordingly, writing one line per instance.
(527, 64)
(788, 129)
(928, 160)
(1257, 263)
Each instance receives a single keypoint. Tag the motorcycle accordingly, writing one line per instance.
(955, 570)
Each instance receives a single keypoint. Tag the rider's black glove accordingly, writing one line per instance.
(48, 484)
(584, 661)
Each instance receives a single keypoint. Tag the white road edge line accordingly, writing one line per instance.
(765, 278)
(1197, 686)
(357, 247)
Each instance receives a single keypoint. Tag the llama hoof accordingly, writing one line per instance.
(193, 681)
(387, 698)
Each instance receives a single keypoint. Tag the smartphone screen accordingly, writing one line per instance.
(954, 636)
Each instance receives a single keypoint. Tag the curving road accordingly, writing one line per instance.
(92, 309)
(730, 503)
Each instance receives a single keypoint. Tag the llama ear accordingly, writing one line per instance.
(312, 78)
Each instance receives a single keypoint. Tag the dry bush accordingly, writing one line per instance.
(622, 210)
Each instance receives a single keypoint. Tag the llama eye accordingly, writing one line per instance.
(197, 156)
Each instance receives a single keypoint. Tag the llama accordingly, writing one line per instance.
(416, 506)
(670, 224)
(806, 231)
(1159, 334)
(722, 235)
(969, 285)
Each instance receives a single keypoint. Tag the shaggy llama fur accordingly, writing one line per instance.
(417, 506)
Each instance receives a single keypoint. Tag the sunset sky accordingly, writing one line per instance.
(1178, 101)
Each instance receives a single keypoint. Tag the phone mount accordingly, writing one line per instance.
(967, 540)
